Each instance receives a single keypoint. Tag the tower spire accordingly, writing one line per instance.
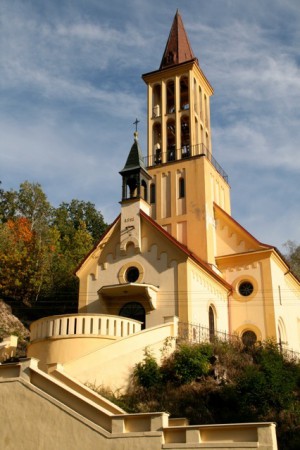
(178, 48)
(134, 173)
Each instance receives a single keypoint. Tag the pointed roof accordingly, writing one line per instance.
(135, 158)
(178, 48)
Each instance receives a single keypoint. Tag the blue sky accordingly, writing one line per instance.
(71, 87)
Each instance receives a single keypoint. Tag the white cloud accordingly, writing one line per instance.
(71, 88)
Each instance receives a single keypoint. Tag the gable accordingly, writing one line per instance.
(231, 237)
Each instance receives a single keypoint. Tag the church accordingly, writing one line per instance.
(175, 249)
(174, 259)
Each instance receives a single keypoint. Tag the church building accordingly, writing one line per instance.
(173, 260)
(175, 249)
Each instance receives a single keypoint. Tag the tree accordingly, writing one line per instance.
(79, 225)
(293, 256)
(41, 247)
(29, 202)
(69, 217)
(72, 248)
(24, 260)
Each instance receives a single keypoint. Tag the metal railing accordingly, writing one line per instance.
(186, 151)
(196, 334)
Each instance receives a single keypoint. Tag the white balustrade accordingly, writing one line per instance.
(83, 325)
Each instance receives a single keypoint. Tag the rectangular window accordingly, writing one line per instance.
(181, 187)
(152, 193)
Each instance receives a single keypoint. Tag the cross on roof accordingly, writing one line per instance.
(136, 124)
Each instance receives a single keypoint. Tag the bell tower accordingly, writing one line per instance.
(186, 179)
(135, 180)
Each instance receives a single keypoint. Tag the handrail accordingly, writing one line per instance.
(196, 333)
(186, 151)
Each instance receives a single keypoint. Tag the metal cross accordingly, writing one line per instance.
(136, 124)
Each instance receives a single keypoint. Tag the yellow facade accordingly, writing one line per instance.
(175, 252)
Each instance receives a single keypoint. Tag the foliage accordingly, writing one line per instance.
(187, 363)
(293, 256)
(24, 260)
(73, 216)
(40, 247)
(147, 373)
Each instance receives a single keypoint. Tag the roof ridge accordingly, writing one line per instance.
(185, 249)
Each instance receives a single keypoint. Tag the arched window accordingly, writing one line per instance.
(171, 133)
(185, 137)
(133, 310)
(184, 93)
(211, 322)
(133, 187)
(156, 100)
(181, 187)
(249, 338)
(282, 339)
(170, 97)
(157, 141)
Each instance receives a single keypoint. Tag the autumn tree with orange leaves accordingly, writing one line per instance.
(24, 260)
(40, 246)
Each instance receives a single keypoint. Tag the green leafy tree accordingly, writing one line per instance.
(79, 225)
(70, 251)
(30, 202)
(69, 217)
(8, 205)
(293, 256)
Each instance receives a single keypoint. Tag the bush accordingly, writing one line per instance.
(147, 373)
(260, 384)
(187, 364)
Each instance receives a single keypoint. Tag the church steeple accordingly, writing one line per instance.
(134, 174)
(134, 197)
(178, 48)
(186, 179)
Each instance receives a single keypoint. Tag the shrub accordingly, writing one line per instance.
(147, 373)
(187, 364)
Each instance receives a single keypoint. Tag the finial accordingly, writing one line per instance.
(135, 134)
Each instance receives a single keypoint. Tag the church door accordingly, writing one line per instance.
(134, 310)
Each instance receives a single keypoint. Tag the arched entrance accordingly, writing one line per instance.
(249, 338)
(134, 310)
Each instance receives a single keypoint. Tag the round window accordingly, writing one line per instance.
(246, 288)
(249, 338)
(132, 274)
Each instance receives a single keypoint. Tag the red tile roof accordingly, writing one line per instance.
(178, 48)
(188, 253)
